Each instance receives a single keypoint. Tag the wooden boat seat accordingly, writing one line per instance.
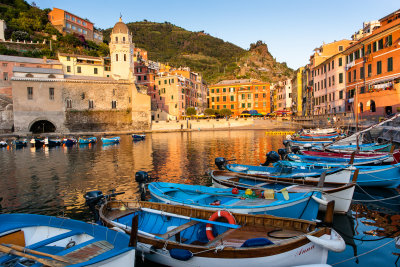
(88, 250)
(178, 229)
(253, 202)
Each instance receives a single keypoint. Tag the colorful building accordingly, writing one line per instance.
(325, 63)
(297, 92)
(373, 70)
(66, 22)
(7, 63)
(240, 95)
(85, 65)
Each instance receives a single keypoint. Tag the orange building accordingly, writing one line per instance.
(240, 95)
(66, 22)
(373, 70)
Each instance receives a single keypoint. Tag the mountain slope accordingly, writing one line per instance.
(211, 56)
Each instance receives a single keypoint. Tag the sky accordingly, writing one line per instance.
(292, 29)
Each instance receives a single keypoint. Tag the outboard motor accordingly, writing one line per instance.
(221, 163)
(296, 149)
(282, 152)
(142, 178)
(286, 143)
(272, 157)
(92, 199)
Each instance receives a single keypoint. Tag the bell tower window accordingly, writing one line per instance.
(116, 39)
(116, 57)
(124, 57)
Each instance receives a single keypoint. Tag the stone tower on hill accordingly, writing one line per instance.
(121, 51)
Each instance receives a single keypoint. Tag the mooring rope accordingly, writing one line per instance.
(365, 253)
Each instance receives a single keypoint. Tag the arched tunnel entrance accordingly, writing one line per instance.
(42, 126)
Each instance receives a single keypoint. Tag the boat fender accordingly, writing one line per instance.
(256, 242)
(320, 201)
(221, 213)
(180, 254)
(335, 243)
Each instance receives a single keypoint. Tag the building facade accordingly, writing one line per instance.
(46, 98)
(85, 65)
(240, 95)
(66, 22)
(373, 70)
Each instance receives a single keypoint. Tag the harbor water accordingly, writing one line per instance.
(52, 181)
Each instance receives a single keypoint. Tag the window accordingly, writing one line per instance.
(369, 70)
(333, 64)
(255, 95)
(212, 90)
(73, 27)
(84, 23)
(145, 77)
(217, 98)
(69, 103)
(333, 80)
(231, 89)
(264, 104)
(379, 67)
(68, 58)
(362, 73)
(212, 99)
(224, 98)
(123, 39)
(354, 75)
(329, 81)
(340, 48)
(380, 44)
(79, 70)
(67, 16)
(51, 93)
(340, 62)
(30, 93)
(91, 104)
(5, 76)
(139, 78)
(243, 96)
(232, 106)
(165, 81)
(124, 57)
(243, 105)
(248, 96)
(73, 18)
(224, 90)
(389, 40)
(372, 106)
(389, 64)
(349, 76)
(113, 104)
(369, 49)
(374, 47)
(249, 105)
(232, 98)
(217, 90)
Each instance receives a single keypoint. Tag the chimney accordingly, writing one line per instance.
(44, 59)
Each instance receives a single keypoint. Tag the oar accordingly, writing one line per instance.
(190, 218)
(46, 262)
(30, 251)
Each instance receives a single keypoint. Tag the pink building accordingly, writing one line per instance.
(7, 63)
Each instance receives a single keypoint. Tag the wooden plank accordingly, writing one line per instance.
(178, 229)
(15, 238)
(218, 238)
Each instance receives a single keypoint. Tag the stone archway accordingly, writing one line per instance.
(42, 126)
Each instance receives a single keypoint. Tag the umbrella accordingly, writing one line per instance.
(245, 112)
(253, 112)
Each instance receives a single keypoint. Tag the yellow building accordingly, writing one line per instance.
(85, 65)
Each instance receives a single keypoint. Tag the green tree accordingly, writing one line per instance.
(209, 111)
(225, 112)
(20, 35)
(104, 49)
(190, 111)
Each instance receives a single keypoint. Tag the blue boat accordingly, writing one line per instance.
(86, 141)
(111, 140)
(37, 142)
(54, 241)
(20, 143)
(277, 203)
(311, 142)
(52, 142)
(337, 160)
(138, 137)
(362, 147)
(373, 175)
(319, 136)
(69, 141)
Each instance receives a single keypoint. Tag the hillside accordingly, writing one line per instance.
(213, 57)
(165, 42)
